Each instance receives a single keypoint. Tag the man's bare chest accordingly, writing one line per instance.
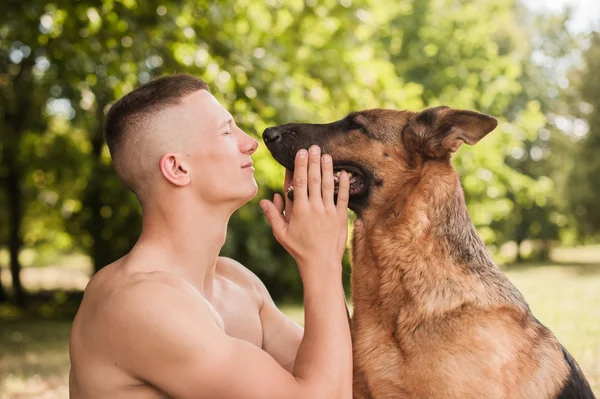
(239, 312)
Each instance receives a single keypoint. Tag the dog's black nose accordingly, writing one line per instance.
(271, 135)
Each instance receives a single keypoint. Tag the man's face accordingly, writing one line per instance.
(218, 152)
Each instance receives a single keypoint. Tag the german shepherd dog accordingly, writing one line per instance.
(434, 317)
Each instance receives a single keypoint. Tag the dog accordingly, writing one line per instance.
(434, 317)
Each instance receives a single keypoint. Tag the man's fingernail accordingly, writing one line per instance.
(263, 205)
(302, 153)
(344, 175)
(314, 149)
(326, 158)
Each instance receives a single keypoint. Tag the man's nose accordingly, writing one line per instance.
(271, 135)
(251, 145)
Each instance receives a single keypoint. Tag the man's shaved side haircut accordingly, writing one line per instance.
(132, 112)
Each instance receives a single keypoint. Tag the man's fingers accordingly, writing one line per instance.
(343, 193)
(278, 201)
(274, 217)
(327, 184)
(314, 175)
(300, 177)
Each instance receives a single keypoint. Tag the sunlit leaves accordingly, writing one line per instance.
(267, 62)
(583, 189)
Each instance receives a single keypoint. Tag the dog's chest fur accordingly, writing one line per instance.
(424, 326)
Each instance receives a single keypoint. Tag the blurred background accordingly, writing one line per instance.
(532, 185)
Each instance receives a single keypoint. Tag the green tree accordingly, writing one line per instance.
(82, 56)
(545, 156)
(20, 115)
(583, 185)
(479, 55)
(64, 63)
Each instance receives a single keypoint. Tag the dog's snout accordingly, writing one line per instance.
(271, 135)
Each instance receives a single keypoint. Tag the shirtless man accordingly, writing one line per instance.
(172, 318)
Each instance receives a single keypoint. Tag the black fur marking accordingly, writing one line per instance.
(576, 386)
(350, 123)
(429, 116)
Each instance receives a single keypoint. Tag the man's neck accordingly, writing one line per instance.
(189, 238)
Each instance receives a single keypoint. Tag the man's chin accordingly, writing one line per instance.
(251, 193)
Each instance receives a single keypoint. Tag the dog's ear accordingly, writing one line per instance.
(439, 131)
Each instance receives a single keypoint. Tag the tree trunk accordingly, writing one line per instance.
(521, 233)
(545, 252)
(3, 297)
(15, 242)
(17, 118)
(519, 258)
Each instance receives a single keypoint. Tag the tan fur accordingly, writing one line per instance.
(434, 317)
(424, 326)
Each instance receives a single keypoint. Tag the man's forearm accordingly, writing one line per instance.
(324, 360)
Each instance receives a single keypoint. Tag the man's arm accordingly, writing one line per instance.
(170, 339)
(281, 336)
(315, 234)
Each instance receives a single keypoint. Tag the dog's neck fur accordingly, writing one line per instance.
(422, 255)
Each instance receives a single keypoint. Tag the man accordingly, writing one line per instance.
(171, 318)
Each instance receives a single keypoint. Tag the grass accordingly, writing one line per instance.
(34, 359)
(564, 295)
(566, 298)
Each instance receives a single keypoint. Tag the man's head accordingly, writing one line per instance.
(171, 133)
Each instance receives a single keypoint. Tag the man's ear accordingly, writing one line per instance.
(440, 131)
(175, 170)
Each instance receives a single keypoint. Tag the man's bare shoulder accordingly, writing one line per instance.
(132, 277)
(153, 310)
(124, 314)
(125, 300)
(146, 292)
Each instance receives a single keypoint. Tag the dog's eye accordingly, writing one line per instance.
(352, 125)
(361, 128)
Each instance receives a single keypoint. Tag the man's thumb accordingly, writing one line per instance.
(274, 218)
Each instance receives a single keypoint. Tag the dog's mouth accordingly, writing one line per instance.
(357, 180)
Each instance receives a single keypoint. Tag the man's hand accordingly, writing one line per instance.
(316, 229)
(315, 234)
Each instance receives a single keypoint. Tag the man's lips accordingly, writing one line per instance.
(248, 165)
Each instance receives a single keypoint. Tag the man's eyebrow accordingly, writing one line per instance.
(225, 123)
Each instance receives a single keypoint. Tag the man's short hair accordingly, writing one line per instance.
(132, 112)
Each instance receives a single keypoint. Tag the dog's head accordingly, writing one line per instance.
(381, 148)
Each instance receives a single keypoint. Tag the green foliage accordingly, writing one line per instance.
(63, 63)
(584, 190)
